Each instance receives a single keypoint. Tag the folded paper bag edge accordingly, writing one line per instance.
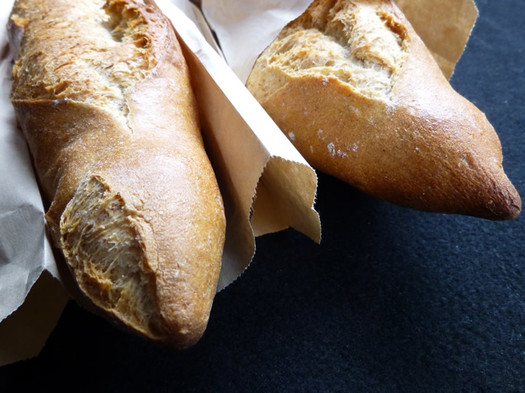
(277, 207)
(241, 187)
(241, 132)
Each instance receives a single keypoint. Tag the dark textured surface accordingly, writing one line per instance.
(393, 300)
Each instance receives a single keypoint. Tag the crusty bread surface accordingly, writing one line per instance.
(358, 93)
(103, 96)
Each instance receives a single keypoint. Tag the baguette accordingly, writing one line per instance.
(360, 96)
(102, 93)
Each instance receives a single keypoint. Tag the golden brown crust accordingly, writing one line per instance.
(103, 96)
(360, 96)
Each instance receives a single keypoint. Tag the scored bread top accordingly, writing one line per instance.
(110, 45)
(359, 46)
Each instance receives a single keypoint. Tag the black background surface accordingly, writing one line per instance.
(393, 300)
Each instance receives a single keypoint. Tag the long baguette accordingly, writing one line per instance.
(358, 93)
(102, 93)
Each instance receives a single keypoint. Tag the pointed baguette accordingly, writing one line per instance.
(103, 96)
(358, 93)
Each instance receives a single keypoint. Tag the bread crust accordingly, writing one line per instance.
(102, 93)
(358, 93)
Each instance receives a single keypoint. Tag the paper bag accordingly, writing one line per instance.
(267, 186)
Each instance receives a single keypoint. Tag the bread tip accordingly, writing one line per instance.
(506, 205)
(513, 208)
(185, 339)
